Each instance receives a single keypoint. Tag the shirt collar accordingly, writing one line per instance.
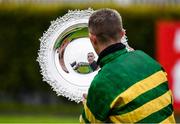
(110, 49)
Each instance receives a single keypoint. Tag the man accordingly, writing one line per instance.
(131, 87)
(92, 62)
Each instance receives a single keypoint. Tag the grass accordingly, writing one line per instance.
(22, 113)
(38, 119)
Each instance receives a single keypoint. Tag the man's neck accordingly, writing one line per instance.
(110, 49)
(104, 46)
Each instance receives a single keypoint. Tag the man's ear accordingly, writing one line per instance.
(93, 39)
(122, 33)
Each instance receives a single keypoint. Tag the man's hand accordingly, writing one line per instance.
(84, 97)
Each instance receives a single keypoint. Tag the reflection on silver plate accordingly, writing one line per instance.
(66, 56)
(63, 55)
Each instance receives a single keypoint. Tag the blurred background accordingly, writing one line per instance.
(151, 25)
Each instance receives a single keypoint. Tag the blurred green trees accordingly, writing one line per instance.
(21, 28)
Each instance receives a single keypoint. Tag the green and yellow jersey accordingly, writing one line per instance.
(131, 87)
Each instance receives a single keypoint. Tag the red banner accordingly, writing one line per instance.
(168, 54)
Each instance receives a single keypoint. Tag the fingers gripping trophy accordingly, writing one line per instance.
(67, 59)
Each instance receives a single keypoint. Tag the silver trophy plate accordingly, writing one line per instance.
(65, 54)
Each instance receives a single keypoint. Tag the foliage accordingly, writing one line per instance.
(22, 26)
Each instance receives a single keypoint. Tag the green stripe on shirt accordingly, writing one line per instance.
(142, 99)
(158, 116)
(84, 117)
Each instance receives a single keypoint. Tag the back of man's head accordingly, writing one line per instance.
(105, 24)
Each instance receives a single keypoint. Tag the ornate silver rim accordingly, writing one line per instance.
(47, 56)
